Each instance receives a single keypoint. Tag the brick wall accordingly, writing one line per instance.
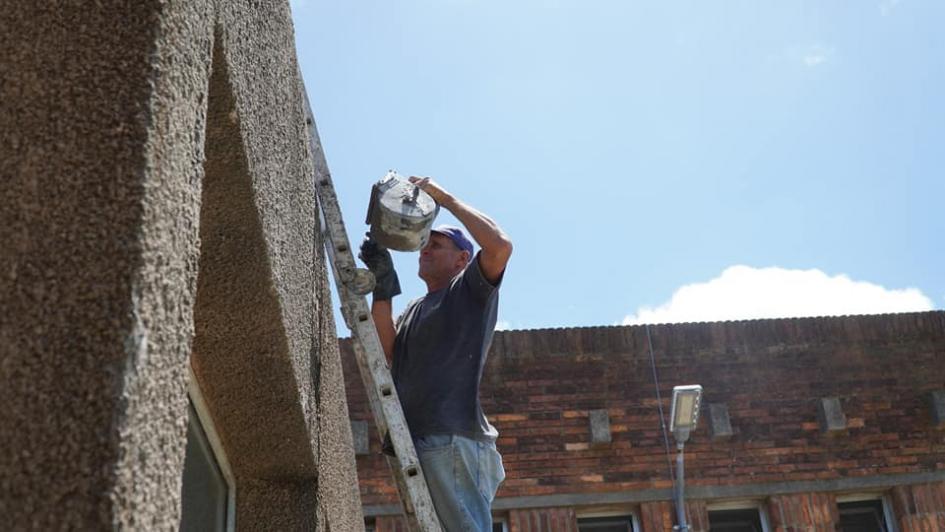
(920, 508)
(541, 386)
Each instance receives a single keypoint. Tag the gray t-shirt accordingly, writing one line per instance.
(440, 350)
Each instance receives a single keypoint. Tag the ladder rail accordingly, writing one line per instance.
(352, 283)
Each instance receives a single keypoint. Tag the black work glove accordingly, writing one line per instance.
(377, 259)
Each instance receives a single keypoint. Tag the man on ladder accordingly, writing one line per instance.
(438, 349)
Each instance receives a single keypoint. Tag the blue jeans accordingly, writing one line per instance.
(463, 476)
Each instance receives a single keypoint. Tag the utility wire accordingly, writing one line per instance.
(659, 405)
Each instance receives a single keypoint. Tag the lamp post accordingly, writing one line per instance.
(683, 418)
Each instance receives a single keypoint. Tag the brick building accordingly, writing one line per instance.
(807, 424)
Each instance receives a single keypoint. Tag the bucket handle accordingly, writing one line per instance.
(413, 197)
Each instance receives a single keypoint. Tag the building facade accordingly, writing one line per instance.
(168, 357)
(806, 424)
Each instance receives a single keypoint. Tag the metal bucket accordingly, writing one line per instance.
(400, 214)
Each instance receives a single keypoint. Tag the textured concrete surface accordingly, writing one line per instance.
(263, 305)
(101, 126)
(107, 113)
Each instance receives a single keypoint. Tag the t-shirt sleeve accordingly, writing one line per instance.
(477, 284)
(398, 323)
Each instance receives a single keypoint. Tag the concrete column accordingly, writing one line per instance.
(101, 148)
(808, 512)
(158, 211)
(265, 351)
(920, 507)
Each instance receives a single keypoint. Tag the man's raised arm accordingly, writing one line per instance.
(496, 245)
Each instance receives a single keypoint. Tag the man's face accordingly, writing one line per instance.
(440, 258)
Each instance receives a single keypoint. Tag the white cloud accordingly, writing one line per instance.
(503, 325)
(743, 292)
(809, 55)
(817, 55)
(886, 6)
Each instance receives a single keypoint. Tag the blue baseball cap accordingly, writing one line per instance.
(457, 236)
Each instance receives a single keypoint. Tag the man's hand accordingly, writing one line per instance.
(378, 260)
(435, 191)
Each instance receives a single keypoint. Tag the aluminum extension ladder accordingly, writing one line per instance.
(353, 284)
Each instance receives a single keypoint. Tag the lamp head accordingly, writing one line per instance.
(685, 412)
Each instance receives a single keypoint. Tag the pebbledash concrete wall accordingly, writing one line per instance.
(544, 389)
(157, 211)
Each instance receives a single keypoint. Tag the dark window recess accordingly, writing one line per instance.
(203, 490)
(747, 520)
(862, 516)
(605, 524)
(498, 526)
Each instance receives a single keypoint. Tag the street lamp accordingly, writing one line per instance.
(683, 418)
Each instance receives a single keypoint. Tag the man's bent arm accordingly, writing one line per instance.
(496, 245)
(384, 323)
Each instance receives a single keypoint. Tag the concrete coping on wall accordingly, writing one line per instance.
(708, 335)
(741, 491)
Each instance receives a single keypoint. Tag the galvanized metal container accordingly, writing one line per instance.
(400, 213)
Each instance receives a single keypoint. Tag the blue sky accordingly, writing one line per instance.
(654, 161)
